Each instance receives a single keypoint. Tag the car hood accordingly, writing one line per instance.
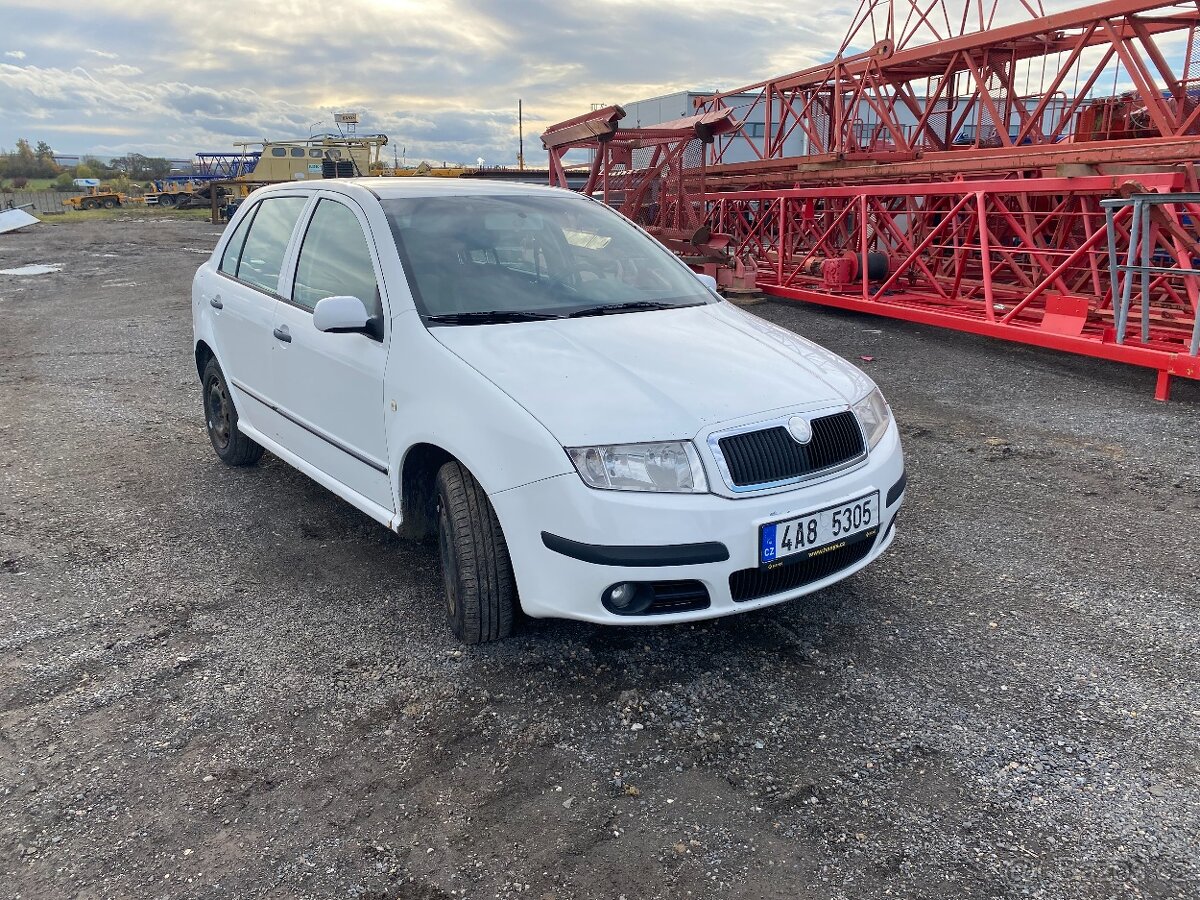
(652, 375)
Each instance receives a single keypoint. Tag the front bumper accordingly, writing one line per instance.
(567, 582)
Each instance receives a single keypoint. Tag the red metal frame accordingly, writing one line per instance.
(973, 91)
(1023, 260)
(655, 176)
(947, 167)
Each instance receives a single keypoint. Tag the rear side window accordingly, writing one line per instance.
(335, 260)
(233, 250)
(266, 244)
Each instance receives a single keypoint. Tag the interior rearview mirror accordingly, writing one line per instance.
(340, 314)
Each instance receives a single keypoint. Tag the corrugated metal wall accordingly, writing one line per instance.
(43, 201)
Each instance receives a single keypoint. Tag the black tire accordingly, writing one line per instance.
(109, 203)
(90, 204)
(481, 593)
(221, 420)
(166, 200)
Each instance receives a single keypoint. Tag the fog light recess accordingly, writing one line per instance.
(628, 598)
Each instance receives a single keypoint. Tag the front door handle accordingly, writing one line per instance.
(215, 302)
(282, 333)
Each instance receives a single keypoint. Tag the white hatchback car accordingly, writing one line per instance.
(587, 428)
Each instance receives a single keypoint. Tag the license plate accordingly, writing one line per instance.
(816, 533)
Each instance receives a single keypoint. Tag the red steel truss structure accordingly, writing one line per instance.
(949, 167)
(652, 175)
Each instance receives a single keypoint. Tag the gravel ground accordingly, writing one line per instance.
(222, 683)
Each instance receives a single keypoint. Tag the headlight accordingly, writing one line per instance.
(874, 416)
(671, 467)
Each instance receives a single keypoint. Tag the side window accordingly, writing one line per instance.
(279, 151)
(297, 151)
(335, 260)
(266, 244)
(233, 250)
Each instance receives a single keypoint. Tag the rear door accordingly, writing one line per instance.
(243, 297)
(328, 387)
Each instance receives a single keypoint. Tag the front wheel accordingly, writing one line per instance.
(221, 419)
(481, 593)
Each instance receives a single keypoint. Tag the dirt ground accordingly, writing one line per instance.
(222, 683)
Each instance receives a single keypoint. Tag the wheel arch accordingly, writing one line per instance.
(203, 354)
(418, 489)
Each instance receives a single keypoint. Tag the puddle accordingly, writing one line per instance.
(31, 270)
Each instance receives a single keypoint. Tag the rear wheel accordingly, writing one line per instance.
(110, 203)
(90, 204)
(221, 419)
(481, 593)
(166, 200)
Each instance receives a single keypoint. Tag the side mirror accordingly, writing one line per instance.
(340, 314)
(708, 281)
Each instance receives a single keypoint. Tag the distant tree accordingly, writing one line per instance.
(64, 182)
(98, 168)
(142, 168)
(47, 167)
(20, 182)
(156, 167)
(24, 152)
(84, 170)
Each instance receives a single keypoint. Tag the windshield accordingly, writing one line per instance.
(472, 260)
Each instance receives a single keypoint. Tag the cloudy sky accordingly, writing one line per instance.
(440, 77)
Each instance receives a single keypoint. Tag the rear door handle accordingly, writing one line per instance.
(282, 333)
(215, 303)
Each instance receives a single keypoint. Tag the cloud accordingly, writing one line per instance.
(440, 77)
(15, 54)
(120, 70)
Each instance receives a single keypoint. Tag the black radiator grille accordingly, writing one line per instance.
(752, 584)
(770, 455)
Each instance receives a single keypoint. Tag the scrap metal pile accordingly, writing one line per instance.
(971, 164)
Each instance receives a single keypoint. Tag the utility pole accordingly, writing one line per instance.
(520, 137)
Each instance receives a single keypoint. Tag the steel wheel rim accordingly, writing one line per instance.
(219, 425)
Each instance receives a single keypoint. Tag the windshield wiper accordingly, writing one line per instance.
(489, 317)
(610, 308)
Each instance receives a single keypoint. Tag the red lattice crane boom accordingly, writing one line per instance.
(971, 164)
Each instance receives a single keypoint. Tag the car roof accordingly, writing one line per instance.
(388, 188)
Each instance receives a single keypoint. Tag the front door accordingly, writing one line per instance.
(328, 387)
